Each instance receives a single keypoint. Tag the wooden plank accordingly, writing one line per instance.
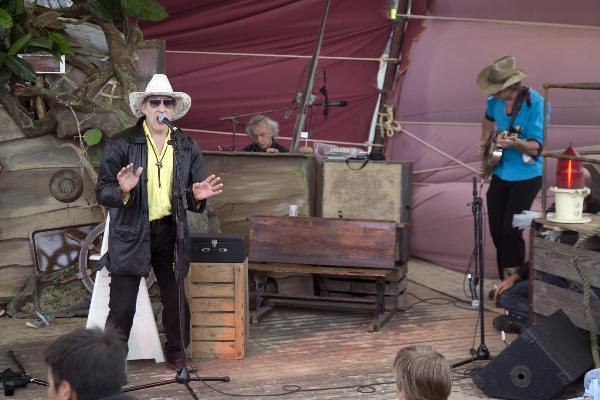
(212, 305)
(212, 273)
(21, 226)
(10, 130)
(241, 310)
(40, 152)
(212, 290)
(22, 194)
(15, 252)
(213, 333)
(555, 258)
(260, 184)
(344, 285)
(582, 228)
(323, 241)
(207, 349)
(213, 319)
(395, 276)
(316, 269)
(548, 298)
(379, 190)
(12, 281)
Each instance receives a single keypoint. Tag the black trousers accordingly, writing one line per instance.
(504, 199)
(124, 291)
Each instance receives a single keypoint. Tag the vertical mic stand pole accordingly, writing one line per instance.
(482, 352)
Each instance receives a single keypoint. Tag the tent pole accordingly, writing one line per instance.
(306, 94)
(391, 72)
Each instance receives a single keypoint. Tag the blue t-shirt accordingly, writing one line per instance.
(531, 120)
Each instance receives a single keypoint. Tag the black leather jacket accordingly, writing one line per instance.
(129, 233)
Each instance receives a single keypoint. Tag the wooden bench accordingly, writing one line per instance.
(324, 246)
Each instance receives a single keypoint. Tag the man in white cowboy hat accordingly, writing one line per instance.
(136, 183)
(517, 178)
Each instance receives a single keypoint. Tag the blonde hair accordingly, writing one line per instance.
(422, 374)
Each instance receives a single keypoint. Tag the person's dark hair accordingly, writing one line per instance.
(515, 87)
(92, 361)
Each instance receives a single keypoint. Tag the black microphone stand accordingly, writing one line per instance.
(482, 352)
(179, 206)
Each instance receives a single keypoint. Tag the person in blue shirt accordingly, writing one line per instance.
(517, 178)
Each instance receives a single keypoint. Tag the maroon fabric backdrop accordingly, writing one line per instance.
(225, 85)
(440, 103)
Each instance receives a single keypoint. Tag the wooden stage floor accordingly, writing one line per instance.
(294, 348)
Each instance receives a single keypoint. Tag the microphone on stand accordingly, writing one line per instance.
(472, 288)
(341, 103)
(164, 120)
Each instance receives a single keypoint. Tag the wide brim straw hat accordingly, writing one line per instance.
(499, 75)
(159, 85)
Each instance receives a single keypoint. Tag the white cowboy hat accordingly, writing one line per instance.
(159, 86)
(499, 75)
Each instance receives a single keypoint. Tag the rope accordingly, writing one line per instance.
(585, 281)
(243, 134)
(234, 54)
(389, 127)
(499, 21)
(478, 124)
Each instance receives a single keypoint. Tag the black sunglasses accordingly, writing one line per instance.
(169, 103)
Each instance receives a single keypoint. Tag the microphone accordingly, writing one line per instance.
(475, 300)
(341, 103)
(164, 120)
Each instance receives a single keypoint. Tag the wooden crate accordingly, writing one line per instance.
(381, 190)
(555, 259)
(364, 287)
(218, 296)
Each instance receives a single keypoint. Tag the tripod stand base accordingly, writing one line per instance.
(482, 353)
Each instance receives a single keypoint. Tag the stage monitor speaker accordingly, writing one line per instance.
(540, 363)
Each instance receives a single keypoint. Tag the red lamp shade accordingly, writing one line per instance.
(569, 173)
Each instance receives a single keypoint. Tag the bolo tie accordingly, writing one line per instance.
(158, 163)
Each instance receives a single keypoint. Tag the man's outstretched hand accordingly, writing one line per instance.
(209, 187)
(129, 179)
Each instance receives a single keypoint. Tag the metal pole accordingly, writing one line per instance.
(304, 104)
(544, 143)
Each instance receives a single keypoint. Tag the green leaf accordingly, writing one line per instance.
(16, 32)
(2, 57)
(20, 67)
(17, 46)
(147, 10)
(132, 7)
(42, 42)
(61, 42)
(109, 10)
(5, 19)
(92, 137)
(4, 76)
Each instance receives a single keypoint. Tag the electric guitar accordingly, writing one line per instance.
(492, 153)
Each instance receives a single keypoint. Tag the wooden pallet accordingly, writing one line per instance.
(554, 258)
(364, 287)
(218, 296)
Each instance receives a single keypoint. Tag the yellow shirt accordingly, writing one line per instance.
(159, 190)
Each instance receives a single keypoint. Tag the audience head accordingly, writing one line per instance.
(87, 364)
(422, 374)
